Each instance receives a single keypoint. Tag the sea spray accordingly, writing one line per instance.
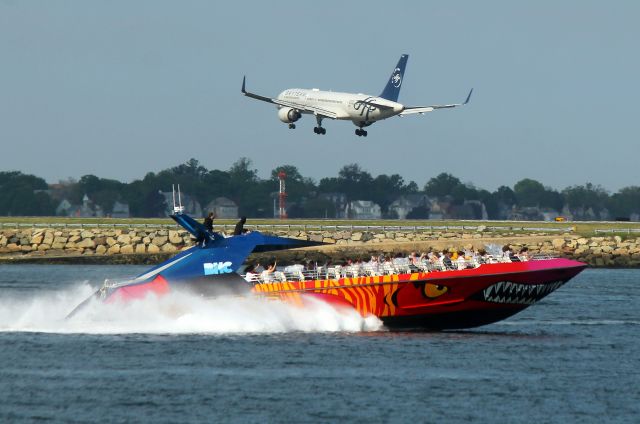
(177, 313)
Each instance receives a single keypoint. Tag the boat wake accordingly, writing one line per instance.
(179, 313)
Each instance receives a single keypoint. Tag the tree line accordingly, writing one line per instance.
(29, 195)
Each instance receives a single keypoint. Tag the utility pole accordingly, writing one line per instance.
(282, 196)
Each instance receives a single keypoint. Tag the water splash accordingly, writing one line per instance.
(179, 313)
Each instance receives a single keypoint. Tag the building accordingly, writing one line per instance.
(339, 200)
(403, 205)
(88, 209)
(120, 210)
(363, 209)
(222, 207)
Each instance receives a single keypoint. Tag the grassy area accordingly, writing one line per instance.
(584, 228)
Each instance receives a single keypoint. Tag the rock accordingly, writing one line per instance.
(25, 248)
(86, 243)
(101, 249)
(111, 241)
(126, 249)
(124, 239)
(557, 243)
(315, 237)
(174, 237)
(100, 240)
(86, 234)
(74, 238)
(60, 240)
(43, 247)
(328, 240)
(57, 245)
(152, 248)
(113, 249)
(36, 239)
(169, 248)
(159, 240)
(617, 239)
(140, 248)
(356, 236)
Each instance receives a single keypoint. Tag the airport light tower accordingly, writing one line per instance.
(282, 196)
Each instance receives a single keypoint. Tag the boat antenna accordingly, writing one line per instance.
(179, 208)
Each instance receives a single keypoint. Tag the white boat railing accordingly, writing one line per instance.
(336, 272)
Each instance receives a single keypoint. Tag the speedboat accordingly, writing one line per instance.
(402, 297)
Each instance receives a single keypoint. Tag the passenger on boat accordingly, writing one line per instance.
(239, 229)
(267, 276)
(373, 266)
(481, 256)
(208, 221)
(461, 261)
(524, 255)
(387, 266)
(446, 260)
(508, 255)
(251, 275)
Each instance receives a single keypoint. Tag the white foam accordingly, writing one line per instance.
(177, 313)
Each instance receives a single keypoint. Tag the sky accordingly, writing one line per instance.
(121, 88)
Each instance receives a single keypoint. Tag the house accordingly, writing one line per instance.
(339, 200)
(222, 207)
(120, 210)
(88, 209)
(363, 209)
(403, 205)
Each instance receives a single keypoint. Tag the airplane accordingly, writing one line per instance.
(362, 109)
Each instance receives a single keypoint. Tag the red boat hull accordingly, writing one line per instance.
(437, 300)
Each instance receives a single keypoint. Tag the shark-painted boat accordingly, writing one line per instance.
(403, 298)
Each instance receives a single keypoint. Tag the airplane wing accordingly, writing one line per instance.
(424, 109)
(325, 113)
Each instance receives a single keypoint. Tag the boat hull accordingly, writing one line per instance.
(437, 300)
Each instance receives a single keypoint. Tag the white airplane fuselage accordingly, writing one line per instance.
(361, 109)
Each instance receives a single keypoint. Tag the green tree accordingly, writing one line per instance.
(625, 202)
(441, 185)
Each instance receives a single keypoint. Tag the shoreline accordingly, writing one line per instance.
(597, 252)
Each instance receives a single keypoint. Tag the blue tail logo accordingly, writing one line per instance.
(392, 89)
(396, 78)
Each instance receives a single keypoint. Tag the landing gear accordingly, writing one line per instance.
(319, 129)
(292, 126)
(361, 133)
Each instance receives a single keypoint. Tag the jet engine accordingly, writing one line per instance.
(288, 115)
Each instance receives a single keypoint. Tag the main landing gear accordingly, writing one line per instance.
(292, 126)
(319, 129)
(361, 133)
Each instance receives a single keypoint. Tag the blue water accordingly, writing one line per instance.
(574, 357)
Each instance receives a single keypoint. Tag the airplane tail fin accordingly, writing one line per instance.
(392, 89)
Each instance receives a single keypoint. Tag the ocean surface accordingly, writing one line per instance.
(574, 357)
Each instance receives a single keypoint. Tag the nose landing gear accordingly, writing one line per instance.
(361, 133)
(292, 126)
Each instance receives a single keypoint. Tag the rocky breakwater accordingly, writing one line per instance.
(34, 244)
(608, 252)
(145, 245)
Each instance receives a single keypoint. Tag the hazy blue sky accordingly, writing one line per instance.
(120, 88)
